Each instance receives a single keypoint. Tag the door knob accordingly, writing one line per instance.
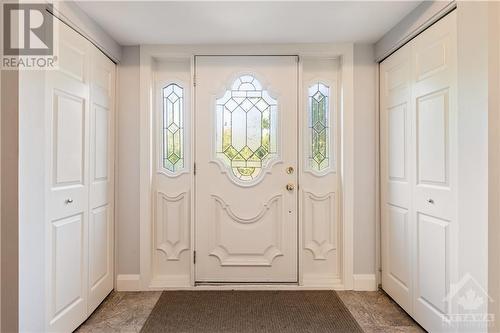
(69, 200)
(289, 170)
(290, 187)
(431, 201)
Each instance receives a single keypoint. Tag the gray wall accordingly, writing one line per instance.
(127, 207)
(127, 164)
(9, 197)
(365, 159)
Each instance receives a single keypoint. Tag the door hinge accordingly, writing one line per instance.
(194, 257)
(194, 169)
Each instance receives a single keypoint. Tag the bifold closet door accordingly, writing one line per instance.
(67, 114)
(101, 231)
(418, 172)
(79, 158)
(395, 137)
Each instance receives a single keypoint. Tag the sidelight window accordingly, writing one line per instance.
(319, 129)
(173, 128)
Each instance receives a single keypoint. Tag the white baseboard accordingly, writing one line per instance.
(321, 281)
(365, 282)
(128, 282)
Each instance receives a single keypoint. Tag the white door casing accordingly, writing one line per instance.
(418, 164)
(246, 220)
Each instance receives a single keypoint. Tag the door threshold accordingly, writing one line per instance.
(219, 284)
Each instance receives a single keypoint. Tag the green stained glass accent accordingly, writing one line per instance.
(173, 128)
(319, 128)
(246, 131)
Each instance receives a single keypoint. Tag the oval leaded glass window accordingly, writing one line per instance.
(246, 130)
(173, 128)
(319, 129)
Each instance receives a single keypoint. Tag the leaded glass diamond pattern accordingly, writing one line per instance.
(319, 129)
(246, 128)
(172, 128)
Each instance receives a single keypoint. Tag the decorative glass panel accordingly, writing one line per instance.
(319, 130)
(246, 128)
(173, 128)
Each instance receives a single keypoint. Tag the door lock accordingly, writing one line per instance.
(289, 170)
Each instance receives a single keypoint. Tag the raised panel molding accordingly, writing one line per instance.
(431, 59)
(397, 142)
(172, 224)
(68, 140)
(396, 77)
(231, 257)
(397, 232)
(72, 61)
(320, 227)
(433, 262)
(432, 138)
(101, 124)
(98, 240)
(67, 255)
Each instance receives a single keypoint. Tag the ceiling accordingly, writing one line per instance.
(189, 22)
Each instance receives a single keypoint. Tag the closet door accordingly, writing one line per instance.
(67, 161)
(418, 173)
(434, 144)
(102, 82)
(396, 176)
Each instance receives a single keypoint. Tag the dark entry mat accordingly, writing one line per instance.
(250, 311)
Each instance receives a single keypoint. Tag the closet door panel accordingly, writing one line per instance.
(395, 176)
(435, 144)
(101, 231)
(67, 151)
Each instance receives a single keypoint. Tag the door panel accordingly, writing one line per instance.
(68, 253)
(435, 142)
(246, 137)
(67, 99)
(395, 129)
(101, 206)
(419, 180)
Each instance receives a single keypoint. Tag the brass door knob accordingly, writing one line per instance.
(290, 187)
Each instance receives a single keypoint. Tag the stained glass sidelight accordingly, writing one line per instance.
(319, 130)
(173, 128)
(246, 128)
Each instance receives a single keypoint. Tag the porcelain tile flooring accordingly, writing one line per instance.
(127, 311)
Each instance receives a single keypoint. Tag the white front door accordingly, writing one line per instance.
(246, 140)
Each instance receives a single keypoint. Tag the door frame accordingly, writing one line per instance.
(148, 55)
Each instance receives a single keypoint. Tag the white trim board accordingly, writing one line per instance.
(148, 55)
(365, 282)
(128, 282)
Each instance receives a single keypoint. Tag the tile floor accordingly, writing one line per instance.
(126, 312)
